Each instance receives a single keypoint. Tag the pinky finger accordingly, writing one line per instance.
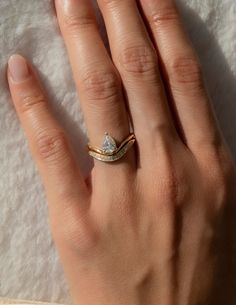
(49, 145)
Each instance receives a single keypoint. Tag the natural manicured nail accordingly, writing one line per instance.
(68, 6)
(18, 68)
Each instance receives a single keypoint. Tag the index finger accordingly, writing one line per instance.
(184, 75)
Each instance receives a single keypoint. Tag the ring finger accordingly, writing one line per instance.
(96, 78)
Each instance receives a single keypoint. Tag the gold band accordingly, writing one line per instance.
(111, 152)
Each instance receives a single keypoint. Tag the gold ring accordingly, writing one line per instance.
(110, 152)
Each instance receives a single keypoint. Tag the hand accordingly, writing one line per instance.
(141, 230)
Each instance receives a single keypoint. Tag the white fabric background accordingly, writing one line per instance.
(29, 265)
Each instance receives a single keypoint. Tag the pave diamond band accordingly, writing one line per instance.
(109, 151)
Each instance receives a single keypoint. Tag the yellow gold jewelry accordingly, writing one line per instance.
(109, 151)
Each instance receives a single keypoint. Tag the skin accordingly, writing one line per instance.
(143, 230)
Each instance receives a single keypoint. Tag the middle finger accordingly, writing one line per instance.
(136, 60)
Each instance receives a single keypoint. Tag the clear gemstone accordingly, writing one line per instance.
(109, 144)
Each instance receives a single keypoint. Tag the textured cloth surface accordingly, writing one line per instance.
(29, 264)
(7, 301)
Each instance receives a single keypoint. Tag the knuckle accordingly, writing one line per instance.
(27, 103)
(220, 187)
(52, 145)
(218, 168)
(73, 23)
(163, 17)
(209, 147)
(139, 60)
(111, 2)
(173, 186)
(76, 234)
(186, 70)
(102, 85)
(163, 130)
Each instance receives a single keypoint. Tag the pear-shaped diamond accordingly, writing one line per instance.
(109, 144)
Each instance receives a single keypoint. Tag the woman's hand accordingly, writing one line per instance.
(141, 230)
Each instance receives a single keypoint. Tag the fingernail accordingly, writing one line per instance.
(68, 6)
(18, 68)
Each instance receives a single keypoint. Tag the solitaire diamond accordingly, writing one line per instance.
(109, 144)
